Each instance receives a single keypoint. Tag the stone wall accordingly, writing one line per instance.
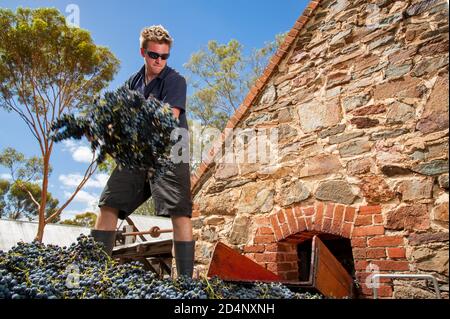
(361, 105)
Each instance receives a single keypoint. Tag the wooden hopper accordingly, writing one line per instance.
(327, 275)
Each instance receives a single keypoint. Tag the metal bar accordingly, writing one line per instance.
(406, 276)
(155, 231)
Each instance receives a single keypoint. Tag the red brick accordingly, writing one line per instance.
(363, 220)
(308, 211)
(266, 239)
(346, 230)
(361, 264)
(368, 231)
(285, 231)
(336, 227)
(376, 253)
(297, 210)
(309, 223)
(318, 217)
(265, 231)
(359, 253)
(272, 247)
(349, 214)
(396, 252)
(329, 210)
(290, 257)
(292, 222)
(287, 266)
(267, 257)
(281, 218)
(254, 249)
(359, 242)
(276, 226)
(377, 219)
(286, 247)
(392, 265)
(278, 234)
(383, 291)
(326, 227)
(370, 210)
(339, 213)
(385, 241)
(301, 224)
(274, 222)
(338, 219)
(281, 267)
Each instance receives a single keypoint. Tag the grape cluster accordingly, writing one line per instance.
(135, 131)
(84, 271)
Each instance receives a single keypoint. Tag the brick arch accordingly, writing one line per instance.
(336, 219)
(363, 225)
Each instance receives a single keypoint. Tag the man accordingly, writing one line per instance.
(126, 190)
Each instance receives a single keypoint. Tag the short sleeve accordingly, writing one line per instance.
(174, 92)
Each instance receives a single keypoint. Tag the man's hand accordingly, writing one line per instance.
(176, 112)
(89, 138)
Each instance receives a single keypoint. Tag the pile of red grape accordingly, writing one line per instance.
(84, 271)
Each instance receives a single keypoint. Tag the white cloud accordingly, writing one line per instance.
(73, 180)
(70, 213)
(6, 176)
(83, 197)
(80, 152)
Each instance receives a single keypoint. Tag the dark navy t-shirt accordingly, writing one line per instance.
(168, 87)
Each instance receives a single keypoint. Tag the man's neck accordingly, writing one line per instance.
(149, 77)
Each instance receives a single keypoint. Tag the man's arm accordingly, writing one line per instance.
(175, 94)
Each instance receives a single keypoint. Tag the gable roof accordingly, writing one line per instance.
(198, 176)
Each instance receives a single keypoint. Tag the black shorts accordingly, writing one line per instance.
(128, 189)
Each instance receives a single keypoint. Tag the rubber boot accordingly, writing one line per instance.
(106, 237)
(184, 257)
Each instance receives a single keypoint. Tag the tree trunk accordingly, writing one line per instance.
(41, 224)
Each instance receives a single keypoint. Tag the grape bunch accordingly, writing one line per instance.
(135, 131)
(84, 271)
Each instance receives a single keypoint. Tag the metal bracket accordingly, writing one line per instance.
(406, 276)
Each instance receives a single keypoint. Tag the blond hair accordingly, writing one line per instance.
(155, 33)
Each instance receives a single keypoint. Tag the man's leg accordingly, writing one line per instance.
(124, 192)
(107, 219)
(184, 246)
(182, 228)
(105, 228)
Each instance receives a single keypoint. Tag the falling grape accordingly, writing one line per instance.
(135, 131)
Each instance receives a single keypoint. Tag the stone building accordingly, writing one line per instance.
(358, 97)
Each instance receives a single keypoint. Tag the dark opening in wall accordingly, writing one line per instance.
(340, 247)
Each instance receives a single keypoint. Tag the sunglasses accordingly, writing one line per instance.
(154, 55)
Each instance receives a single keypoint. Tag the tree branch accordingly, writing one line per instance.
(89, 172)
(31, 197)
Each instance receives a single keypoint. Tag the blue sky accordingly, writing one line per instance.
(116, 24)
